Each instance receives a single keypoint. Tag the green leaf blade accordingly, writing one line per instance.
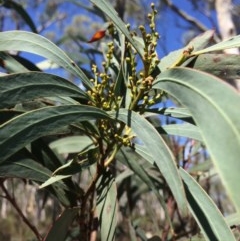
(21, 11)
(131, 158)
(120, 25)
(22, 166)
(36, 44)
(59, 229)
(158, 152)
(71, 144)
(225, 66)
(218, 122)
(23, 129)
(205, 211)
(15, 88)
(184, 130)
(107, 206)
(11, 64)
(197, 43)
(233, 42)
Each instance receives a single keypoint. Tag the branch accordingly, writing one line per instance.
(50, 22)
(186, 16)
(15, 205)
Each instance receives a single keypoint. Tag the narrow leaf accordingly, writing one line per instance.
(44, 154)
(205, 211)
(21, 11)
(61, 226)
(11, 64)
(225, 66)
(132, 161)
(89, 8)
(233, 42)
(25, 128)
(19, 87)
(81, 161)
(36, 44)
(107, 206)
(108, 9)
(215, 116)
(54, 179)
(71, 144)
(184, 130)
(197, 43)
(201, 167)
(21, 165)
(120, 87)
(63, 100)
(158, 151)
(175, 112)
(233, 219)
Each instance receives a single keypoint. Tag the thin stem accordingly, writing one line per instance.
(171, 204)
(136, 99)
(24, 218)
(111, 158)
(85, 223)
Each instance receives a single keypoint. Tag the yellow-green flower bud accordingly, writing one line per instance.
(141, 28)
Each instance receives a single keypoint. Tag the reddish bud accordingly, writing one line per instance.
(97, 36)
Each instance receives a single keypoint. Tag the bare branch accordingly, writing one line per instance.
(186, 16)
(24, 218)
(50, 22)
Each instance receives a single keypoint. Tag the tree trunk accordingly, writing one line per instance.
(226, 26)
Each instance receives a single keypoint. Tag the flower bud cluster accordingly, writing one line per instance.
(126, 138)
(150, 40)
(102, 93)
(139, 82)
(125, 141)
(143, 84)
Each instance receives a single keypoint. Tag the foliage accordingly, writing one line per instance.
(101, 150)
